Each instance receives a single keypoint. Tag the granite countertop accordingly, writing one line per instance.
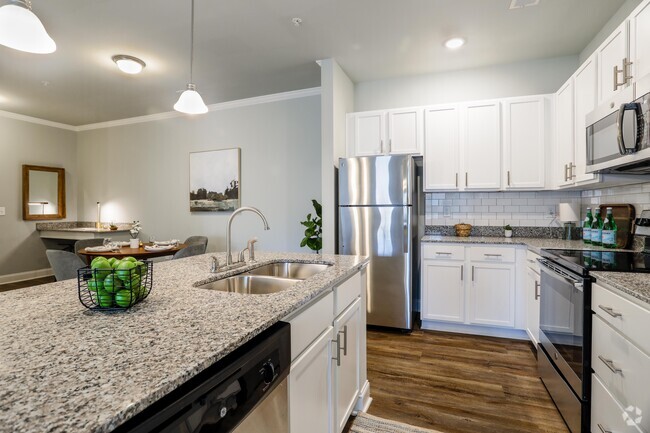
(636, 285)
(66, 369)
(533, 244)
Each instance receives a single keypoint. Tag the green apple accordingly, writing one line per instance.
(123, 270)
(113, 284)
(96, 259)
(125, 298)
(104, 299)
(130, 259)
(95, 285)
(133, 282)
(112, 260)
(142, 268)
(101, 269)
(115, 263)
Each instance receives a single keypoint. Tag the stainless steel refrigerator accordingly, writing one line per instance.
(378, 217)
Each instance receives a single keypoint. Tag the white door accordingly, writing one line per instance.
(443, 291)
(532, 305)
(405, 131)
(442, 148)
(310, 403)
(492, 294)
(369, 133)
(612, 53)
(481, 129)
(347, 328)
(640, 41)
(524, 142)
(585, 89)
(564, 135)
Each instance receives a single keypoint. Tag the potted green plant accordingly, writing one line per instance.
(314, 229)
(508, 230)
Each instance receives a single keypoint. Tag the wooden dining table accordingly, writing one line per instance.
(138, 253)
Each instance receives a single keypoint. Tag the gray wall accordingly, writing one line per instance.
(21, 249)
(517, 79)
(141, 171)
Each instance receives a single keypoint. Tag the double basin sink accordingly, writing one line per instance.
(271, 278)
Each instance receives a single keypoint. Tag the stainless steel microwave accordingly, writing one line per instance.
(617, 136)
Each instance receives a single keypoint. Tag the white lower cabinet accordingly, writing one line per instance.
(347, 328)
(465, 288)
(310, 399)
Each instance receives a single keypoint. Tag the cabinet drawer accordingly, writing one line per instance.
(606, 412)
(492, 254)
(310, 323)
(531, 261)
(443, 252)
(622, 368)
(346, 293)
(628, 318)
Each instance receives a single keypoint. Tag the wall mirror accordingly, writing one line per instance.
(43, 193)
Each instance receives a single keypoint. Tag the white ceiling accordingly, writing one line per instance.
(248, 48)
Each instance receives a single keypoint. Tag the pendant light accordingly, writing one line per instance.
(21, 29)
(190, 101)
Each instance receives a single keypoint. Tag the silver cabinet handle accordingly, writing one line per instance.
(508, 177)
(472, 273)
(390, 145)
(345, 340)
(442, 253)
(492, 255)
(462, 268)
(566, 171)
(616, 72)
(610, 364)
(531, 261)
(537, 294)
(626, 70)
(610, 311)
(456, 180)
(381, 145)
(466, 177)
(571, 167)
(603, 429)
(338, 350)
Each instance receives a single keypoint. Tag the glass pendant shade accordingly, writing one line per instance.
(21, 30)
(191, 102)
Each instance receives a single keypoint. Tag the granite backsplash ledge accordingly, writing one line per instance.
(490, 231)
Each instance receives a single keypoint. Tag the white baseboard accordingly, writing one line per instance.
(23, 276)
(487, 331)
(364, 400)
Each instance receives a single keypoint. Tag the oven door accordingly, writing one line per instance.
(561, 325)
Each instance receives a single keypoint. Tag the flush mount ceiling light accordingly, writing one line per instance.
(190, 101)
(129, 64)
(21, 29)
(454, 43)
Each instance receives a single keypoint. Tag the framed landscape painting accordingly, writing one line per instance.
(214, 180)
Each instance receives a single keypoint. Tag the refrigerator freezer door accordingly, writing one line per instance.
(376, 181)
(384, 234)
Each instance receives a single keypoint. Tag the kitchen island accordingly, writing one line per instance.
(66, 369)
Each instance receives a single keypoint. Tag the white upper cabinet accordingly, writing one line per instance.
(442, 148)
(405, 131)
(564, 134)
(481, 137)
(585, 99)
(368, 131)
(640, 41)
(390, 132)
(524, 142)
(613, 68)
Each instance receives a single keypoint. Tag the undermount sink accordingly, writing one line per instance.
(293, 270)
(271, 278)
(250, 284)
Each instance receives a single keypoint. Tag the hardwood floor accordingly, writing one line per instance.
(458, 383)
(28, 283)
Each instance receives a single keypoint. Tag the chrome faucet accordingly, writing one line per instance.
(228, 236)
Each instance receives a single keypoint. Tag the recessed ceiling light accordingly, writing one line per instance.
(129, 64)
(454, 43)
(519, 4)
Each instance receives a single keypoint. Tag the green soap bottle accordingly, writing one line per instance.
(609, 230)
(597, 229)
(586, 227)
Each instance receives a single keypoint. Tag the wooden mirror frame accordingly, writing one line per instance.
(60, 193)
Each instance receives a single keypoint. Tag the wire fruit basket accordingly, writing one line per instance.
(114, 287)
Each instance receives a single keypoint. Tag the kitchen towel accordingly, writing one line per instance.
(365, 423)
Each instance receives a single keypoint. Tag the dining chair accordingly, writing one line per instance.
(64, 264)
(84, 243)
(189, 251)
(203, 240)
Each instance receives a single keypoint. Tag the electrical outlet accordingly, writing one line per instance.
(3, 212)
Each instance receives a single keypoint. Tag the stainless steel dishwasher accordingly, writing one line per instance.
(246, 392)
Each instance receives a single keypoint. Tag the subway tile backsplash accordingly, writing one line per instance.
(524, 209)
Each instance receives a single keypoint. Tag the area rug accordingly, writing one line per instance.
(365, 423)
